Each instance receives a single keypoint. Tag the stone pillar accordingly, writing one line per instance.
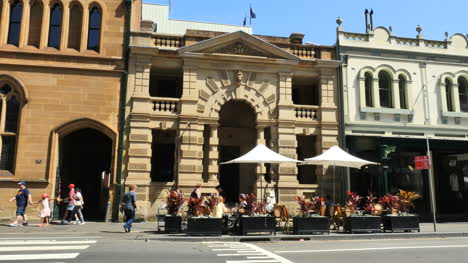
(396, 93)
(5, 15)
(65, 26)
(260, 169)
(213, 156)
(190, 92)
(190, 168)
(455, 99)
(329, 131)
(23, 37)
(375, 92)
(84, 31)
(45, 24)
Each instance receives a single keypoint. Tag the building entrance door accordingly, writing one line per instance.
(237, 135)
(85, 161)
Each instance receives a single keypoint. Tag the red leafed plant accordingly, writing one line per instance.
(370, 202)
(194, 206)
(353, 200)
(390, 201)
(174, 201)
(313, 205)
(251, 205)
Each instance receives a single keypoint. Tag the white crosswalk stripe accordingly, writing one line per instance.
(244, 253)
(42, 249)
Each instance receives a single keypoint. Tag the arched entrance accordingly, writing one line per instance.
(237, 135)
(85, 159)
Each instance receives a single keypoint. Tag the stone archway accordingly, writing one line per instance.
(85, 157)
(237, 134)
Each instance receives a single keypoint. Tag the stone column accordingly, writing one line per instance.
(375, 92)
(190, 154)
(260, 169)
(45, 24)
(84, 31)
(5, 15)
(23, 37)
(396, 93)
(328, 131)
(213, 156)
(65, 26)
(455, 98)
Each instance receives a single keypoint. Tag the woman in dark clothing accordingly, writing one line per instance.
(128, 206)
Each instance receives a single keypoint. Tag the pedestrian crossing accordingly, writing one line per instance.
(236, 252)
(42, 250)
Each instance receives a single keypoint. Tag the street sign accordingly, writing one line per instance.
(421, 162)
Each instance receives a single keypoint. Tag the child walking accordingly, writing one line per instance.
(45, 210)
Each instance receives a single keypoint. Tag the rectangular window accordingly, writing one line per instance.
(167, 85)
(305, 91)
(306, 149)
(163, 156)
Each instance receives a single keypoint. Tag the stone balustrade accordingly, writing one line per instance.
(406, 41)
(167, 41)
(356, 36)
(306, 112)
(161, 105)
(303, 52)
(435, 44)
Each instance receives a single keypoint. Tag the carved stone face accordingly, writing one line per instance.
(239, 76)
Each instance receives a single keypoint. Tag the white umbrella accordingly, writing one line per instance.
(261, 155)
(337, 157)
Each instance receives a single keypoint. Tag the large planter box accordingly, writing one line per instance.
(310, 225)
(204, 226)
(356, 224)
(257, 224)
(401, 223)
(173, 224)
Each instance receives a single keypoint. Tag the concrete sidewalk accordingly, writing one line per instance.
(148, 231)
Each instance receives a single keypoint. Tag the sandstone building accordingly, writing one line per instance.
(60, 77)
(202, 97)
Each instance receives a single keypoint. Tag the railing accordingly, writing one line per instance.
(165, 105)
(435, 44)
(356, 36)
(306, 112)
(406, 41)
(303, 52)
(168, 41)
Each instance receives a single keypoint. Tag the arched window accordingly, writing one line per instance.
(35, 24)
(55, 28)
(402, 90)
(94, 30)
(368, 89)
(74, 32)
(10, 106)
(16, 13)
(463, 93)
(448, 94)
(385, 89)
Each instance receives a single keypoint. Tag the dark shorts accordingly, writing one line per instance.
(129, 213)
(20, 210)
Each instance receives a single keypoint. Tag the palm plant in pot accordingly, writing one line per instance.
(200, 222)
(172, 221)
(254, 218)
(401, 220)
(313, 219)
(357, 220)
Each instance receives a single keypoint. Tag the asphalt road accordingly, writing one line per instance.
(113, 248)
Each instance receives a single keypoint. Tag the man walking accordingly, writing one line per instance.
(71, 204)
(23, 197)
(128, 206)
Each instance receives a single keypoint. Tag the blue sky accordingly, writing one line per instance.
(316, 19)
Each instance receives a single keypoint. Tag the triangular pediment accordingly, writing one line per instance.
(238, 43)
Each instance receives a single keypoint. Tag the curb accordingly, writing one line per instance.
(334, 237)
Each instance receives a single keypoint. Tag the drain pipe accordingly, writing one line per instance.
(123, 98)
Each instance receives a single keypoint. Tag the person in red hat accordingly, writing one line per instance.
(45, 210)
(71, 204)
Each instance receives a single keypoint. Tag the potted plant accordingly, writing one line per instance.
(357, 220)
(199, 220)
(312, 219)
(254, 218)
(172, 221)
(403, 220)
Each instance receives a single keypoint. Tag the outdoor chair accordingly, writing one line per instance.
(336, 216)
(286, 219)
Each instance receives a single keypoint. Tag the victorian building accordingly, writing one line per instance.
(399, 92)
(208, 93)
(61, 64)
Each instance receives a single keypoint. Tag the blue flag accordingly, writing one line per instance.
(252, 14)
(245, 20)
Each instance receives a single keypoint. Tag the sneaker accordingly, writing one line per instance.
(82, 223)
(13, 225)
(126, 229)
(25, 224)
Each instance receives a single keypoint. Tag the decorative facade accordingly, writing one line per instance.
(399, 92)
(198, 99)
(61, 64)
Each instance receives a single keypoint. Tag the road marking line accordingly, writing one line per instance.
(258, 257)
(50, 242)
(229, 255)
(231, 249)
(369, 248)
(46, 237)
(38, 256)
(250, 261)
(22, 248)
(268, 253)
